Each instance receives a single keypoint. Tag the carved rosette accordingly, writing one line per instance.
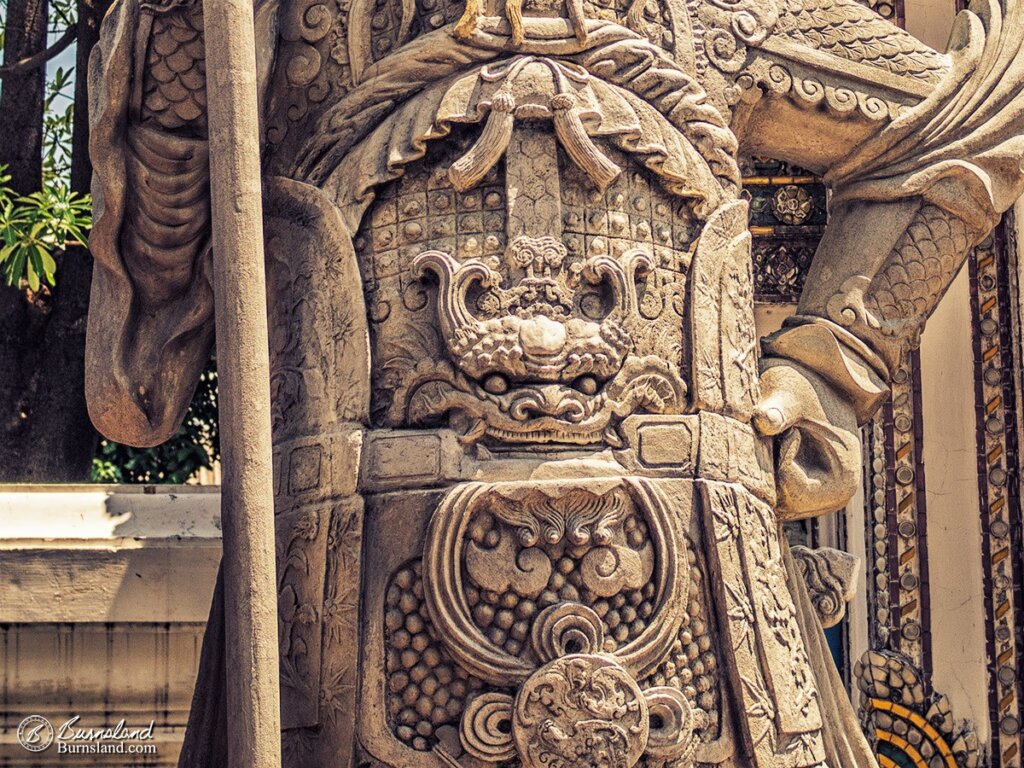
(493, 551)
(580, 710)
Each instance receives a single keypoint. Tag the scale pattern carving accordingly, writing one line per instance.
(848, 29)
(174, 83)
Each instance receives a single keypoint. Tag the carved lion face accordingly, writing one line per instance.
(531, 307)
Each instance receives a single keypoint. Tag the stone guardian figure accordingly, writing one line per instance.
(530, 462)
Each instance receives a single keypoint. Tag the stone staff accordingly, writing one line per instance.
(247, 506)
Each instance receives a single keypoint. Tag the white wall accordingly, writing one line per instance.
(104, 597)
(930, 21)
(955, 569)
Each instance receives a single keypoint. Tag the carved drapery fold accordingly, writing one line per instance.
(151, 320)
(929, 186)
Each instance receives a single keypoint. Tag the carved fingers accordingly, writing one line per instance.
(817, 442)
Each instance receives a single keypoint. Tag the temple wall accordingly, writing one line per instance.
(930, 21)
(939, 599)
(955, 581)
(102, 609)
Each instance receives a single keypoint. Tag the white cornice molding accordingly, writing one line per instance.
(108, 553)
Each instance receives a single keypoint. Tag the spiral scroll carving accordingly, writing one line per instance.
(567, 628)
(487, 727)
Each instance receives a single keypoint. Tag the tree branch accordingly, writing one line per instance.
(31, 62)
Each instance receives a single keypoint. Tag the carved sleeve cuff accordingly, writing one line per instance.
(837, 356)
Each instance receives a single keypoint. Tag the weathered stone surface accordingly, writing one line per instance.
(530, 464)
(831, 578)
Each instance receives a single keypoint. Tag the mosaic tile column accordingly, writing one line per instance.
(995, 373)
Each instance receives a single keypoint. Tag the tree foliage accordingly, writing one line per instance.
(33, 227)
(58, 125)
(196, 445)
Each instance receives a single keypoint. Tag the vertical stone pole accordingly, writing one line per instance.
(247, 501)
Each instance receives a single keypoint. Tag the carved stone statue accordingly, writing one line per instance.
(530, 463)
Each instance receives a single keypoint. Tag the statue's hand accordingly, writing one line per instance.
(817, 441)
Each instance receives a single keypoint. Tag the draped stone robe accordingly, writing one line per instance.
(530, 464)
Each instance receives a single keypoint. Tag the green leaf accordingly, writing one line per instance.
(49, 268)
(36, 271)
(18, 266)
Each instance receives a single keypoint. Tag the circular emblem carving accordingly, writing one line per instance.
(792, 205)
(580, 710)
(35, 733)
